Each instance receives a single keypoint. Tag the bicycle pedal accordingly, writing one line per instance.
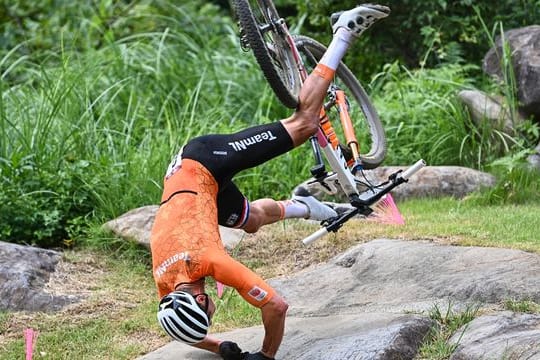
(328, 184)
(318, 171)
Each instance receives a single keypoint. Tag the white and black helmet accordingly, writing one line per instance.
(182, 318)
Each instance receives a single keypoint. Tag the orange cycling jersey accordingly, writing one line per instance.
(185, 241)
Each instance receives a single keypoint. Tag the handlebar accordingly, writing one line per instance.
(315, 236)
(363, 202)
(413, 169)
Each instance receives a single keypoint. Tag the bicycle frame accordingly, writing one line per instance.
(272, 43)
(325, 136)
(362, 203)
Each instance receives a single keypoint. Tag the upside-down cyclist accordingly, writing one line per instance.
(199, 195)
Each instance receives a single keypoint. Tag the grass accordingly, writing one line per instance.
(436, 346)
(522, 306)
(85, 135)
(118, 316)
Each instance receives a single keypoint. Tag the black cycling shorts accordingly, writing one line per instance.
(226, 155)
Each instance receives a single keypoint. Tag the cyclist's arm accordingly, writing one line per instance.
(273, 317)
(258, 293)
(210, 344)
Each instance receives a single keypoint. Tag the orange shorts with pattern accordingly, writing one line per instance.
(185, 241)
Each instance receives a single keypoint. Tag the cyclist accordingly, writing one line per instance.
(199, 194)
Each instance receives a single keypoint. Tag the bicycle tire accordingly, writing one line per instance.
(312, 51)
(270, 48)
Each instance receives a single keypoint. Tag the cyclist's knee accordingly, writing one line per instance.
(301, 125)
(254, 220)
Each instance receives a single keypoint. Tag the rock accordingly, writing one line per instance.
(505, 335)
(368, 303)
(534, 159)
(431, 181)
(394, 276)
(24, 272)
(483, 107)
(439, 181)
(357, 336)
(525, 48)
(137, 224)
(134, 225)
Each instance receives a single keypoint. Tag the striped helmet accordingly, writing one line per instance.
(182, 318)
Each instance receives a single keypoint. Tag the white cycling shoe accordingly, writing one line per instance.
(360, 18)
(317, 210)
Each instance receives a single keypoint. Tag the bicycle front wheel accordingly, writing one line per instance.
(263, 30)
(367, 124)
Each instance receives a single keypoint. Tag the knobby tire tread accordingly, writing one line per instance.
(262, 55)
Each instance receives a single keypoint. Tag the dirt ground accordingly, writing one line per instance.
(275, 250)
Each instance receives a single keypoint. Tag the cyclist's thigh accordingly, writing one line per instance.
(233, 206)
(226, 155)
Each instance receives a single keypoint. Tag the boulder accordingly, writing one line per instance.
(483, 107)
(524, 45)
(431, 181)
(24, 274)
(504, 335)
(369, 336)
(372, 301)
(393, 276)
(534, 158)
(137, 224)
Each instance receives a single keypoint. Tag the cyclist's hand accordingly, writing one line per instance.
(257, 356)
(231, 351)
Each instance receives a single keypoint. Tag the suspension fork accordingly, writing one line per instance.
(350, 137)
(326, 141)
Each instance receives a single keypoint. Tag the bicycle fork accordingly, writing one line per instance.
(327, 141)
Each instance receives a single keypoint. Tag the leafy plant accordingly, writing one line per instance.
(448, 322)
(452, 30)
(522, 306)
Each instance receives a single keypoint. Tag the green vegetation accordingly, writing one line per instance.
(452, 31)
(464, 223)
(448, 322)
(97, 97)
(92, 111)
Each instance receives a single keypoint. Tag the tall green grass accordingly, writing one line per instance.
(87, 126)
(424, 118)
(90, 133)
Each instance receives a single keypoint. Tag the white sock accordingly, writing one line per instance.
(338, 47)
(293, 209)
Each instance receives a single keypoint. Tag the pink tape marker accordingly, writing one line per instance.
(30, 337)
(220, 288)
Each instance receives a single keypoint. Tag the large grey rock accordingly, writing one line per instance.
(394, 276)
(137, 224)
(360, 305)
(525, 48)
(504, 335)
(483, 107)
(431, 181)
(374, 336)
(24, 272)
(439, 181)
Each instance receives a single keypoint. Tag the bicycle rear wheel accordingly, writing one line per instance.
(367, 124)
(261, 28)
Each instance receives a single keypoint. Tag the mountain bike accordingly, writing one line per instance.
(358, 143)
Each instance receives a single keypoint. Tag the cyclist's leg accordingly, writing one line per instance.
(235, 211)
(347, 26)
(268, 211)
(224, 155)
